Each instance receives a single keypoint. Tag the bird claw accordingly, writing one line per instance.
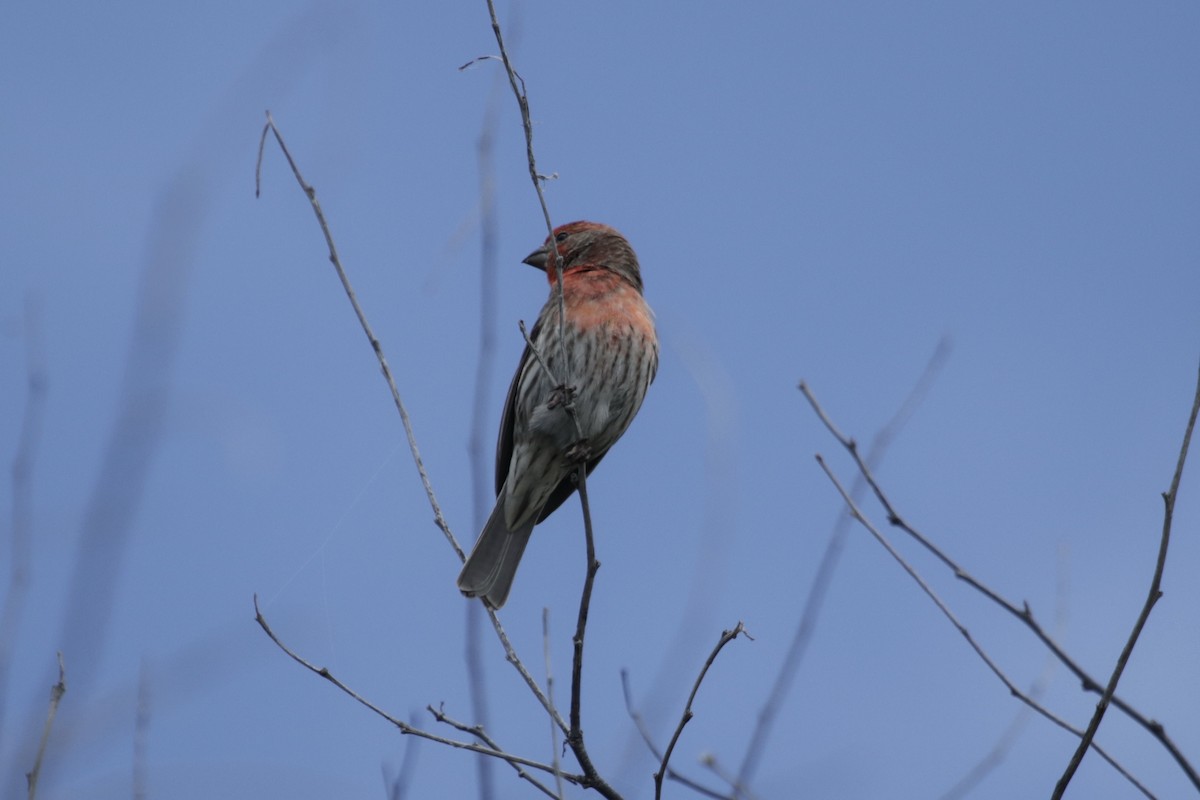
(579, 452)
(562, 395)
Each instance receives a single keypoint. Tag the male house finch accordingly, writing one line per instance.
(611, 357)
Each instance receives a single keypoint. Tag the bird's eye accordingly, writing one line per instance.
(561, 236)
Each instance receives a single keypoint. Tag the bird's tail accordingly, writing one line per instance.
(492, 565)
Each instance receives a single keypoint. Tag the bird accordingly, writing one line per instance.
(610, 347)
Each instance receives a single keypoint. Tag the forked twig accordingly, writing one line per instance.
(518, 88)
(482, 735)
(1151, 598)
(726, 637)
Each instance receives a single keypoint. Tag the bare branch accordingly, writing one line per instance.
(311, 193)
(726, 637)
(56, 693)
(1151, 598)
(946, 612)
(1023, 612)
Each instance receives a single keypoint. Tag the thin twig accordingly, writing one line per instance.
(56, 693)
(401, 725)
(518, 88)
(480, 733)
(311, 193)
(962, 629)
(511, 656)
(1151, 598)
(1023, 612)
(726, 637)
(640, 723)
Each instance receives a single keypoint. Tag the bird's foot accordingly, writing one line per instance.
(579, 452)
(562, 395)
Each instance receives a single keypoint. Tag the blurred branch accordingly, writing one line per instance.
(1024, 613)
(554, 759)
(56, 693)
(1151, 598)
(726, 637)
(311, 193)
(397, 786)
(740, 792)
(141, 728)
(817, 592)
(480, 484)
(928, 590)
(22, 492)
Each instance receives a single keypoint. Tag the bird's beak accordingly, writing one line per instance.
(538, 258)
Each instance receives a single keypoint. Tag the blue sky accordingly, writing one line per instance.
(816, 192)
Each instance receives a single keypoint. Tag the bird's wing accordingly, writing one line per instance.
(504, 442)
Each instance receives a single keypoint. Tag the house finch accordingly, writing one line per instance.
(611, 356)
